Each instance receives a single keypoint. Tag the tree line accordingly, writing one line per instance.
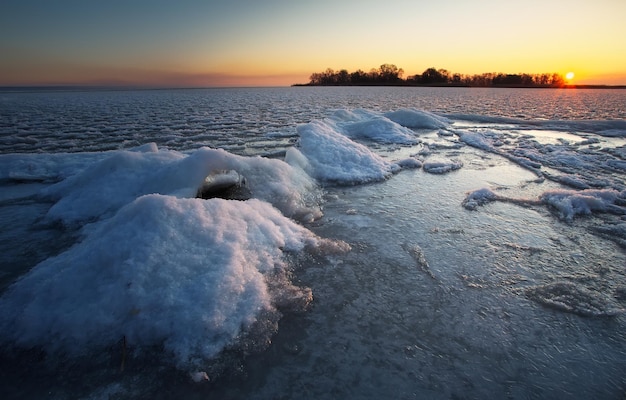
(389, 74)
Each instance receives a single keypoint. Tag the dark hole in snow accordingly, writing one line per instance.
(225, 185)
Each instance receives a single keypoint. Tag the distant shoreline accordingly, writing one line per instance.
(404, 84)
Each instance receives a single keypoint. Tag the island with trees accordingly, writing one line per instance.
(391, 75)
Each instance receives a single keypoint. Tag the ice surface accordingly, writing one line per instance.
(581, 165)
(186, 273)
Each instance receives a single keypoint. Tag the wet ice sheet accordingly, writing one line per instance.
(483, 314)
(469, 326)
(552, 137)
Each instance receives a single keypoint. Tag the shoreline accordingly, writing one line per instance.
(471, 87)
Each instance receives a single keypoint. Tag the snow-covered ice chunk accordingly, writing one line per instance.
(570, 203)
(106, 186)
(381, 129)
(53, 167)
(410, 163)
(478, 198)
(334, 158)
(417, 119)
(442, 167)
(362, 124)
(475, 139)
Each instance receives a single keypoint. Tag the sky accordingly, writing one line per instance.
(280, 42)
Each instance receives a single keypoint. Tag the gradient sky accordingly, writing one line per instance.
(280, 42)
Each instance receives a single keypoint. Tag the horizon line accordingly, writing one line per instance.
(113, 87)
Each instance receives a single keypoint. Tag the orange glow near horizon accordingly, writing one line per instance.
(191, 43)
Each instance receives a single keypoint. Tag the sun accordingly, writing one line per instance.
(569, 76)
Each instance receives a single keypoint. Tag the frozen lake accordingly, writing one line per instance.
(393, 243)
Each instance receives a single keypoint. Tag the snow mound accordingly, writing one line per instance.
(188, 274)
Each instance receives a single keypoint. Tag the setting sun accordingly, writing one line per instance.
(569, 76)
